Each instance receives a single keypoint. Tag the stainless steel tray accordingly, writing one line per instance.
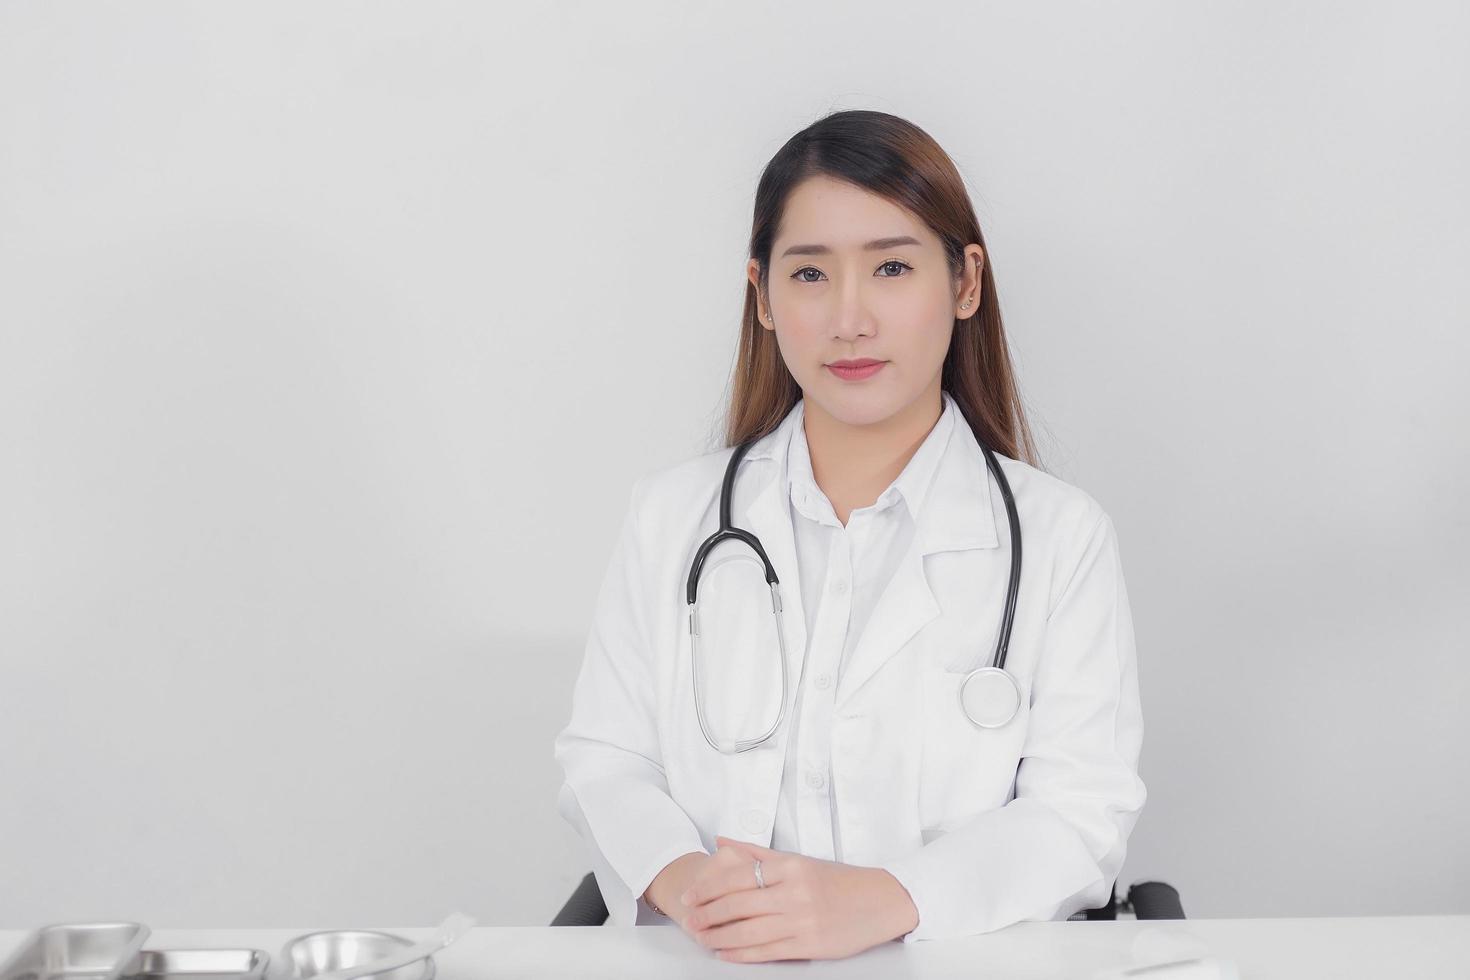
(199, 964)
(80, 950)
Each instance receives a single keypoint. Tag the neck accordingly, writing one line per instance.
(853, 464)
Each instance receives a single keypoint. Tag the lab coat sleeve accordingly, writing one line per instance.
(1058, 846)
(614, 793)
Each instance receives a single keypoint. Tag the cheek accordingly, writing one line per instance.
(940, 339)
(802, 347)
(937, 328)
(922, 345)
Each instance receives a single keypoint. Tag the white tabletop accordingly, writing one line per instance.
(1398, 947)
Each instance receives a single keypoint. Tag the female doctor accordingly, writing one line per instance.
(865, 673)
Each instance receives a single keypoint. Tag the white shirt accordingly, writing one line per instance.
(843, 572)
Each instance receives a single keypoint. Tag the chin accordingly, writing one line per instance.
(858, 407)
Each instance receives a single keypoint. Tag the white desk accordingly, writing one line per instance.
(1397, 947)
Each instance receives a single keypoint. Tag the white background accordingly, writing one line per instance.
(333, 336)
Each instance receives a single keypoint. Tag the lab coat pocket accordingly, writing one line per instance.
(965, 770)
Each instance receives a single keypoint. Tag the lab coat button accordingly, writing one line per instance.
(823, 681)
(815, 779)
(840, 586)
(754, 821)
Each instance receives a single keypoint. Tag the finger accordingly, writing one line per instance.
(735, 906)
(719, 879)
(789, 948)
(768, 857)
(707, 882)
(757, 931)
(754, 849)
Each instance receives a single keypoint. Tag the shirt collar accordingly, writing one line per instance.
(911, 486)
(955, 516)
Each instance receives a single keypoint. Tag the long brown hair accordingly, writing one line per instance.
(891, 157)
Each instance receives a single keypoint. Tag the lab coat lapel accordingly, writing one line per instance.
(905, 607)
(755, 775)
(769, 519)
(956, 514)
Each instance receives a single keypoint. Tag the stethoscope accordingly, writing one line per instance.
(989, 696)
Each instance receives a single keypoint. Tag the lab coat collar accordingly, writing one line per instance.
(954, 516)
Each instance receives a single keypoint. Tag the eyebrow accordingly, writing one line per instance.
(877, 244)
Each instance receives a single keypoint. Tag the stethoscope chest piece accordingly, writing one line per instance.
(990, 697)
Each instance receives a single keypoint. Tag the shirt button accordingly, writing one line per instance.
(815, 779)
(840, 586)
(823, 681)
(754, 821)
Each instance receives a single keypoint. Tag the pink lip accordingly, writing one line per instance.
(864, 369)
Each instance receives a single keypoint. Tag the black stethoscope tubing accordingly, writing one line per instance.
(727, 531)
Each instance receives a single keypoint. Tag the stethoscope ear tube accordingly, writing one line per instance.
(725, 745)
(727, 532)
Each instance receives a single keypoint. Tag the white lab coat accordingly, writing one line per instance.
(984, 827)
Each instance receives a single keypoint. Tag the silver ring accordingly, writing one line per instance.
(760, 879)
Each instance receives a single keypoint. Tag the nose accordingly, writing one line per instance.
(852, 319)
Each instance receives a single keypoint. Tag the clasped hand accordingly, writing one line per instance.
(809, 908)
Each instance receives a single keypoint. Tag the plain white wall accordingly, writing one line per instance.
(335, 334)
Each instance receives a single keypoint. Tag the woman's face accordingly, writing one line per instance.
(832, 298)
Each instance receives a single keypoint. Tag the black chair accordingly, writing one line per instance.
(585, 907)
(1146, 900)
